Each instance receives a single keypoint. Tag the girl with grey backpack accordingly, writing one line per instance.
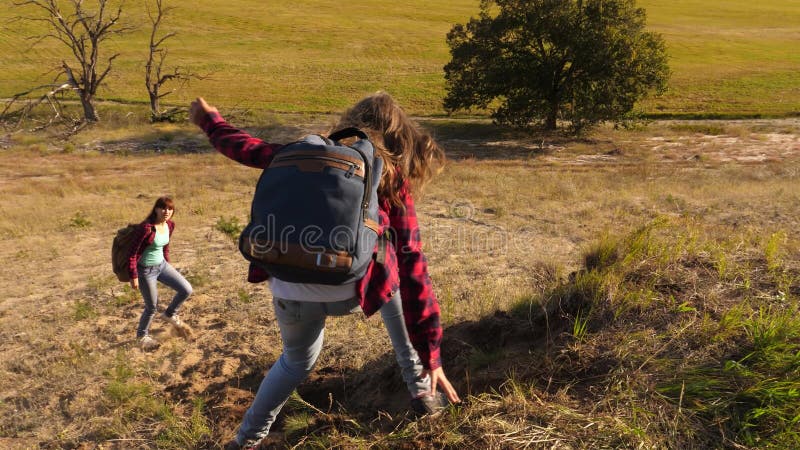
(395, 282)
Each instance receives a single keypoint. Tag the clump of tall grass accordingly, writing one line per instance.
(130, 401)
(80, 220)
(229, 226)
(752, 395)
(186, 429)
(84, 310)
(653, 308)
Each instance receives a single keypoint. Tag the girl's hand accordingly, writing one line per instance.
(438, 378)
(135, 284)
(198, 110)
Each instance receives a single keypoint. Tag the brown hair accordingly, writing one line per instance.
(161, 202)
(408, 151)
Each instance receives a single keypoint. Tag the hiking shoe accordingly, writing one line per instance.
(429, 404)
(249, 445)
(148, 343)
(272, 441)
(178, 326)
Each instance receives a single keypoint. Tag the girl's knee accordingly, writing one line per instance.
(297, 367)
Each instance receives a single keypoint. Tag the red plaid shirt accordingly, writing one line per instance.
(405, 267)
(145, 235)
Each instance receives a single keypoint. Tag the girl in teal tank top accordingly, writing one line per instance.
(150, 263)
(154, 253)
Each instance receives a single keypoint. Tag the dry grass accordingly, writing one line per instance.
(505, 225)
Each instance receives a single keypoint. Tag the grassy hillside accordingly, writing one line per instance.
(728, 57)
(629, 289)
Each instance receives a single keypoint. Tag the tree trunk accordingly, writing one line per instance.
(552, 116)
(154, 105)
(89, 113)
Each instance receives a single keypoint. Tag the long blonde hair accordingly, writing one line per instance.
(408, 151)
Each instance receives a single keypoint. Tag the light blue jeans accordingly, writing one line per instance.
(302, 326)
(165, 273)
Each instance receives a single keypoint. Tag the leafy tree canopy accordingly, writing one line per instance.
(538, 61)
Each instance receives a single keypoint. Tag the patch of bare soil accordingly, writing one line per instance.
(752, 148)
(749, 141)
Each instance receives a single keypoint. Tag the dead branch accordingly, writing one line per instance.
(49, 97)
(155, 74)
(82, 32)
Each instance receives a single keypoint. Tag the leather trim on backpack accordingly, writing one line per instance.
(288, 154)
(372, 225)
(317, 165)
(297, 256)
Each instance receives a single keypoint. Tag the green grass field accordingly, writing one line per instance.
(729, 58)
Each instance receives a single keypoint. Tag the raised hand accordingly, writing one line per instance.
(198, 110)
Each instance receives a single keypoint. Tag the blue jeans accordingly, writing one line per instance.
(302, 326)
(165, 273)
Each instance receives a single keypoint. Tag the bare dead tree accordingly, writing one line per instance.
(155, 75)
(82, 31)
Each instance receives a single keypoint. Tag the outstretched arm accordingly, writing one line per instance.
(420, 306)
(231, 142)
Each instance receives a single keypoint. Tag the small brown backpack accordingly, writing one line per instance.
(120, 251)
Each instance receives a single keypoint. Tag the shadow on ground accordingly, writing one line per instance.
(461, 139)
(478, 356)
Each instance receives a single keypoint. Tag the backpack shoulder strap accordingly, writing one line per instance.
(346, 133)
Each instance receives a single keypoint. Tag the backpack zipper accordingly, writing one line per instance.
(350, 172)
(367, 184)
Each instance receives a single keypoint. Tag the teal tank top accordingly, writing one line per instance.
(154, 253)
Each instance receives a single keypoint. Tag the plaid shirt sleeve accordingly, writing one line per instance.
(236, 144)
(137, 247)
(420, 306)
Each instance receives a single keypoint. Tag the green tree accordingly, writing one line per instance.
(538, 61)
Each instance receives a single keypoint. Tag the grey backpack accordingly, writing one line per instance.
(314, 217)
